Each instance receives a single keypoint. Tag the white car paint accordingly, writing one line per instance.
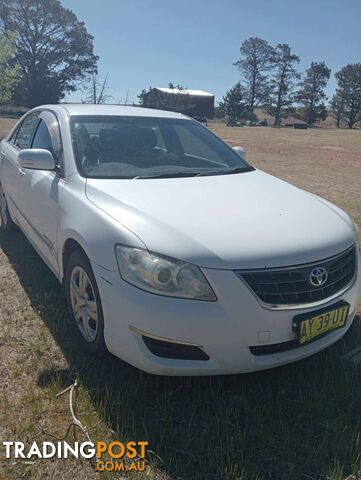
(219, 223)
(256, 221)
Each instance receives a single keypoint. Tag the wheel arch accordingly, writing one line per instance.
(69, 246)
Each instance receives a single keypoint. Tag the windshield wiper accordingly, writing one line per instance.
(223, 172)
(195, 174)
(167, 175)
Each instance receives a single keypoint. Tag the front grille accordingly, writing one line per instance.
(291, 286)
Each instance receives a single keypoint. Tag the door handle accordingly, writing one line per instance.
(22, 172)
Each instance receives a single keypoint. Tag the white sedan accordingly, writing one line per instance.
(175, 254)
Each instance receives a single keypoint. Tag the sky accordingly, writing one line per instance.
(144, 43)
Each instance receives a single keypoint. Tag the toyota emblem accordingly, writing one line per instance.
(318, 276)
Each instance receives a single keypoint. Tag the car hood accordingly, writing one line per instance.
(240, 221)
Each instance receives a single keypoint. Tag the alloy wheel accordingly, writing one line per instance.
(83, 304)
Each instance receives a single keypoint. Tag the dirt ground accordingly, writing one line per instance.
(326, 162)
(5, 126)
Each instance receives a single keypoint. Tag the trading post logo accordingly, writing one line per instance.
(106, 456)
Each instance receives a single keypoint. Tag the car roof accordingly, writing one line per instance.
(122, 110)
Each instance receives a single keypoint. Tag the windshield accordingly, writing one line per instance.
(149, 147)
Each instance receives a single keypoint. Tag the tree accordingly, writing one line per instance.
(254, 64)
(352, 105)
(53, 49)
(283, 82)
(9, 76)
(151, 99)
(233, 104)
(346, 102)
(337, 103)
(312, 92)
(336, 106)
(97, 91)
(143, 97)
(178, 86)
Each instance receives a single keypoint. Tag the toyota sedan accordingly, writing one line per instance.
(175, 254)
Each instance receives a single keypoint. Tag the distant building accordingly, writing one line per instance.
(295, 123)
(195, 103)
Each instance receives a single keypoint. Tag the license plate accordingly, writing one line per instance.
(313, 325)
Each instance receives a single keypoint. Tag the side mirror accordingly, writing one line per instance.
(36, 159)
(240, 151)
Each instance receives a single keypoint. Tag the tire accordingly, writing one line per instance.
(84, 303)
(6, 223)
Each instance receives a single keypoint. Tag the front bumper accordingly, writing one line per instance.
(225, 330)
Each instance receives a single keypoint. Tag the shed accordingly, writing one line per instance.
(296, 123)
(195, 103)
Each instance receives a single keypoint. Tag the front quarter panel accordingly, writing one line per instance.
(95, 231)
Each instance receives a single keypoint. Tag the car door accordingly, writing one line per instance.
(10, 168)
(40, 191)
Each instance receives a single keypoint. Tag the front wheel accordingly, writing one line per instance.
(84, 303)
(6, 223)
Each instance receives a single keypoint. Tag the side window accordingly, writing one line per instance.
(196, 146)
(13, 136)
(42, 138)
(160, 141)
(26, 130)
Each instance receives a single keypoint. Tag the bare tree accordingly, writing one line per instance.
(254, 64)
(283, 82)
(97, 91)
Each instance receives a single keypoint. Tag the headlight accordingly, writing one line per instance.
(162, 275)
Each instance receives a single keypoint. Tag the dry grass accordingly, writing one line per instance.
(297, 422)
(325, 162)
(5, 126)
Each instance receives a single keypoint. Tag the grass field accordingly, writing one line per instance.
(302, 421)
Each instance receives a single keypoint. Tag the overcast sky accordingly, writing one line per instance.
(194, 42)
